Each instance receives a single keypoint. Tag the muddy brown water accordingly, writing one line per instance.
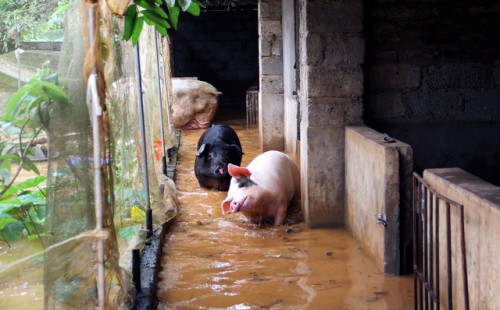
(212, 261)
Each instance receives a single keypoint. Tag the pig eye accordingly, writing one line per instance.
(245, 182)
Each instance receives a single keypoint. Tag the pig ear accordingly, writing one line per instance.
(225, 205)
(236, 148)
(238, 172)
(203, 148)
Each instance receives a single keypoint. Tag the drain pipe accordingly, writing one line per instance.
(149, 212)
(165, 84)
(18, 53)
(94, 103)
(162, 129)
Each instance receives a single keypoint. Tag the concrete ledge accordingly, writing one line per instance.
(481, 201)
(373, 193)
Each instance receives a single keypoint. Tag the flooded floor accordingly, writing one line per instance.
(212, 261)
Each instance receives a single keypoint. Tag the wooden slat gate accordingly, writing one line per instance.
(428, 244)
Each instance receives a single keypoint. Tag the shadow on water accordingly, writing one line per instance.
(212, 261)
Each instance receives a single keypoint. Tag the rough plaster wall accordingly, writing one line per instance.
(331, 90)
(372, 188)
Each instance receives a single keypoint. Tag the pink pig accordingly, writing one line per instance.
(264, 189)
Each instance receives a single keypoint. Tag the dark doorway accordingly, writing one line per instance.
(220, 47)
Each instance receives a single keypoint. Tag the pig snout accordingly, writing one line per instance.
(239, 205)
(220, 170)
(235, 206)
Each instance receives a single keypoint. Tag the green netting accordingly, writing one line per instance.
(67, 268)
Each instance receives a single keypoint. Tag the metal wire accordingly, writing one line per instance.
(149, 220)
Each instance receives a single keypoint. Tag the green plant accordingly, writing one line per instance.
(163, 14)
(22, 209)
(30, 20)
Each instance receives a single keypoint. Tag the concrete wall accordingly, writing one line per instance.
(331, 89)
(374, 172)
(271, 109)
(481, 202)
(290, 78)
(219, 47)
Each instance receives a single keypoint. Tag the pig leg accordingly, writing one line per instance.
(280, 215)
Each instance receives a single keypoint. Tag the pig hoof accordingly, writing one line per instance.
(292, 230)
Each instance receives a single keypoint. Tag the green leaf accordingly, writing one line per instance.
(31, 199)
(30, 165)
(33, 101)
(139, 23)
(51, 78)
(129, 22)
(54, 92)
(12, 231)
(4, 175)
(194, 9)
(185, 4)
(16, 99)
(40, 211)
(174, 15)
(9, 204)
(149, 22)
(162, 31)
(4, 221)
(29, 183)
(150, 5)
(33, 237)
(157, 19)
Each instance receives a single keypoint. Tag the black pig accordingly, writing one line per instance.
(218, 146)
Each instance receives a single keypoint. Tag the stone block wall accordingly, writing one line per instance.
(331, 90)
(271, 119)
(219, 47)
(433, 80)
(432, 61)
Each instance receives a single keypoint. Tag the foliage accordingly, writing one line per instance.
(22, 209)
(162, 14)
(31, 20)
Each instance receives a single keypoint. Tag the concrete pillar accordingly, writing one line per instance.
(331, 89)
(289, 78)
(271, 110)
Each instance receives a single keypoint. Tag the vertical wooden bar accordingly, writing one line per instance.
(437, 255)
(448, 257)
(464, 259)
